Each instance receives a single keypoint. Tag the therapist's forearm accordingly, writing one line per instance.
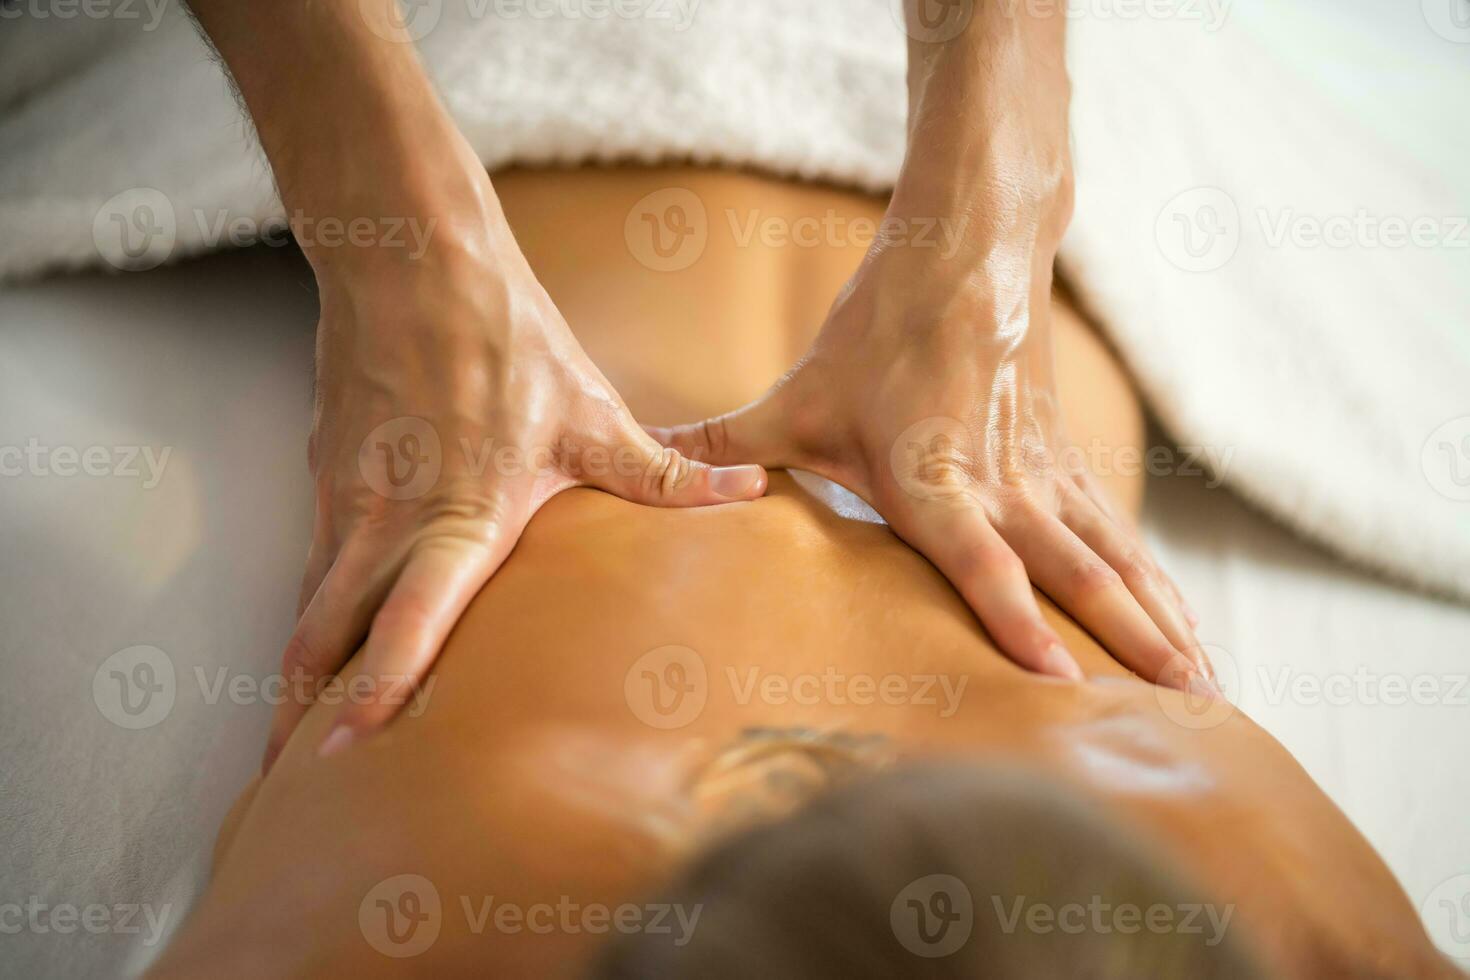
(347, 116)
(988, 136)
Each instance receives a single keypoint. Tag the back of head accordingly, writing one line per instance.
(951, 871)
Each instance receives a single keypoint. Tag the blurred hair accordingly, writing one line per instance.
(846, 887)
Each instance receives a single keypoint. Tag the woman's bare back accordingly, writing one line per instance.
(560, 757)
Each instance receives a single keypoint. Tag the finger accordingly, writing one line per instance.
(318, 563)
(760, 432)
(645, 472)
(437, 583)
(1104, 503)
(969, 552)
(336, 619)
(324, 547)
(1121, 550)
(1091, 591)
(1189, 614)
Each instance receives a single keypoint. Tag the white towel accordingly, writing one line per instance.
(1329, 375)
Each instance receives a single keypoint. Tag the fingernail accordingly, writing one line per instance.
(1190, 614)
(735, 481)
(1202, 687)
(1056, 660)
(339, 738)
(1208, 669)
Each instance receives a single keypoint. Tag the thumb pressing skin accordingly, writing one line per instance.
(646, 472)
(756, 433)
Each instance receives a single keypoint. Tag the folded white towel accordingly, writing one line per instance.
(1274, 226)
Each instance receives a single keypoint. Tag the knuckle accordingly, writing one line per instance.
(356, 505)
(461, 515)
(940, 464)
(713, 438)
(665, 473)
(470, 509)
(1035, 638)
(304, 656)
(1014, 482)
(1091, 577)
(968, 564)
(987, 561)
(1015, 507)
(405, 616)
(1025, 629)
(1000, 561)
(1134, 567)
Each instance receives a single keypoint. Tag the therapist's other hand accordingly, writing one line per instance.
(452, 402)
(929, 393)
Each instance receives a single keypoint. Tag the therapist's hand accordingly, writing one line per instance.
(452, 403)
(452, 400)
(930, 395)
(929, 391)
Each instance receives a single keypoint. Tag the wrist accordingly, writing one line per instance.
(1007, 174)
(984, 216)
(988, 128)
(901, 296)
(427, 219)
(442, 321)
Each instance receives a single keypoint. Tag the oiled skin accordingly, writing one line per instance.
(531, 777)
